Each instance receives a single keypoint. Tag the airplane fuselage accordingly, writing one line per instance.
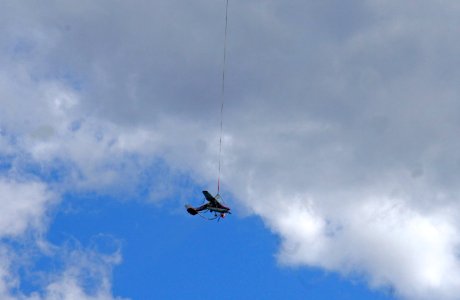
(219, 210)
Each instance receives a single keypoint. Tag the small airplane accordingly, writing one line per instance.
(213, 206)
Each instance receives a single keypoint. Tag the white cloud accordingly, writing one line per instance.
(24, 217)
(87, 277)
(382, 239)
(24, 206)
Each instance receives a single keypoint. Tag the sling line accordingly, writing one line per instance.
(222, 96)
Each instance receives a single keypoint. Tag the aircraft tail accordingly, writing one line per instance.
(191, 210)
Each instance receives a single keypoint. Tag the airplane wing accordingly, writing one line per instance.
(213, 201)
(210, 198)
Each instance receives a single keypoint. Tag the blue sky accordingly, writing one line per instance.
(340, 151)
(168, 254)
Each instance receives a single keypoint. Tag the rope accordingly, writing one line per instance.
(206, 218)
(223, 96)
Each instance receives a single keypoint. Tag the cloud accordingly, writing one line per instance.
(24, 205)
(24, 208)
(86, 273)
(382, 239)
(340, 119)
(87, 276)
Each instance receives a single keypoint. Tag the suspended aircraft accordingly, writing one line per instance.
(212, 205)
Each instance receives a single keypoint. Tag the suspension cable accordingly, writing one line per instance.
(223, 95)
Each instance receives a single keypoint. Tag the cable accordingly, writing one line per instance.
(222, 96)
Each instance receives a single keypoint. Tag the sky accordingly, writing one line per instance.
(340, 152)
